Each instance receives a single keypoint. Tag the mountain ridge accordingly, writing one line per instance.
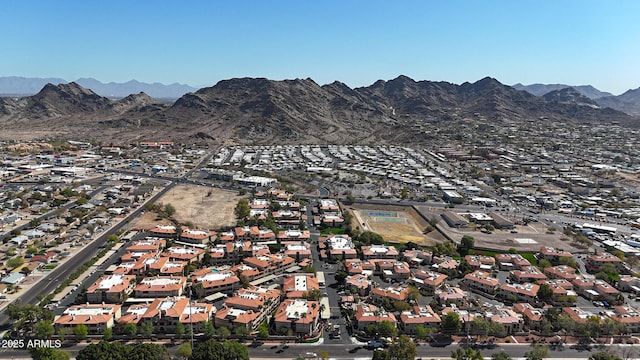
(25, 86)
(542, 89)
(261, 111)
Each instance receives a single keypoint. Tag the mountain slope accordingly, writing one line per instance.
(18, 85)
(569, 96)
(629, 102)
(541, 89)
(119, 90)
(262, 111)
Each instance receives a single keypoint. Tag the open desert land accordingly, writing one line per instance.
(203, 207)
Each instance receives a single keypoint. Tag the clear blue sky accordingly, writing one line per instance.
(357, 42)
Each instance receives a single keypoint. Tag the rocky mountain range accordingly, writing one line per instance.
(24, 86)
(262, 111)
(628, 102)
(541, 89)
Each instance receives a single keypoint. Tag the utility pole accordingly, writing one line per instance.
(190, 318)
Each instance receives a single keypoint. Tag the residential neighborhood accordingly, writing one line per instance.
(300, 264)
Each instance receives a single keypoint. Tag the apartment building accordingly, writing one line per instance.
(299, 315)
(113, 288)
(160, 286)
(96, 317)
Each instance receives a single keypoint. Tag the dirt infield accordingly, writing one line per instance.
(395, 223)
(204, 207)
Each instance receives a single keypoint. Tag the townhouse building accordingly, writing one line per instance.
(113, 288)
(451, 295)
(379, 252)
(360, 283)
(532, 316)
(299, 315)
(528, 274)
(248, 308)
(183, 253)
(96, 317)
(210, 281)
(510, 262)
(298, 285)
(561, 272)
(553, 255)
(482, 282)
(526, 292)
(367, 314)
(160, 286)
(428, 281)
(165, 314)
(594, 262)
(480, 262)
(392, 293)
(418, 316)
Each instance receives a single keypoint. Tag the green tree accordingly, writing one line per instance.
(224, 332)
(404, 193)
(130, 330)
(146, 329)
(170, 210)
(480, 326)
(422, 332)
(25, 317)
(15, 262)
(566, 324)
(147, 351)
(241, 332)
(104, 350)
(380, 355)
(47, 353)
(545, 293)
(44, 329)
(213, 350)
(539, 352)
(184, 350)
(502, 355)
(387, 329)
(180, 330)
(242, 209)
(401, 306)
(403, 348)
(569, 261)
(81, 331)
(263, 331)
(603, 355)
(544, 263)
(370, 238)
(107, 334)
(451, 324)
(467, 242)
(313, 294)
(466, 354)
(414, 294)
(208, 329)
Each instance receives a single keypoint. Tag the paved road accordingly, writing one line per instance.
(350, 351)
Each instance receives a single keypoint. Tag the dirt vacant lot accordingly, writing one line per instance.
(204, 207)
